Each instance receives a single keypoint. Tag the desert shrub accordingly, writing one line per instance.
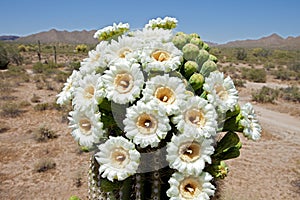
(43, 134)
(61, 77)
(294, 67)
(81, 48)
(260, 52)
(282, 74)
(239, 82)
(35, 99)
(268, 66)
(75, 65)
(50, 86)
(22, 48)
(241, 54)
(44, 165)
(291, 93)
(265, 95)
(41, 107)
(47, 68)
(10, 110)
(255, 75)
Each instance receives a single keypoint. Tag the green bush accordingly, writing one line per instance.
(255, 75)
(291, 93)
(265, 95)
(11, 110)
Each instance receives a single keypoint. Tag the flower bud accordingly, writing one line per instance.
(207, 67)
(179, 40)
(213, 58)
(190, 51)
(197, 41)
(190, 67)
(196, 81)
(205, 46)
(202, 56)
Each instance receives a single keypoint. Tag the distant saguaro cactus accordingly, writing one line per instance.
(39, 51)
(54, 54)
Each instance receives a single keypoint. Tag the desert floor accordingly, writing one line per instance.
(267, 169)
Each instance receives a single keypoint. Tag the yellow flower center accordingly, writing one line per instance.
(160, 55)
(85, 126)
(146, 124)
(221, 92)
(165, 95)
(119, 157)
(89, 92)
(195, 117)
(123, 52)
(123, 83)
(190, 151)
(190, 188)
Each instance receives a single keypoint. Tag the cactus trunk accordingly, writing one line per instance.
(141, 186)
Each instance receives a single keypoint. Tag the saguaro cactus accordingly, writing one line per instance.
(159, 116)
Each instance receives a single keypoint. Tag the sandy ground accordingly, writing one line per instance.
(267, 169)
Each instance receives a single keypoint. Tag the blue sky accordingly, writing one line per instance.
(217, 21)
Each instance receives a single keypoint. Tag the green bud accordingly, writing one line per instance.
(202, 56)
(179, 41)
(74, 198)
(192, 35)
(222, 170)
(213, 58)
(205, 46)
(190, 51)
(197, 41)
(190, 67)
(207, 67)
(196, 81)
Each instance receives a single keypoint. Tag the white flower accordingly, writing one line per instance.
(123, 82)
(167, 91)
(118, 159)
(190, 187)
(167, 22)
(111, 31)
(123, 48)
(66, 94)
(96, 62)
(85, 94)
(198, 116)
(161, 57)
(146, 124)
(189, 152)
(252, 128)
(152, 35)
(221, 92)
(86, 127)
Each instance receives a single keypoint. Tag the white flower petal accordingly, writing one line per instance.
(221, 92)
(118, 159)
(188, 153)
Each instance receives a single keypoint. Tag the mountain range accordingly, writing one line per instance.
(86, 37)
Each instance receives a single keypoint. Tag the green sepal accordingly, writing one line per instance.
(228, 147)
(235, 112)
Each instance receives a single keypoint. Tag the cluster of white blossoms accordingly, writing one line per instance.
(174, 97)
